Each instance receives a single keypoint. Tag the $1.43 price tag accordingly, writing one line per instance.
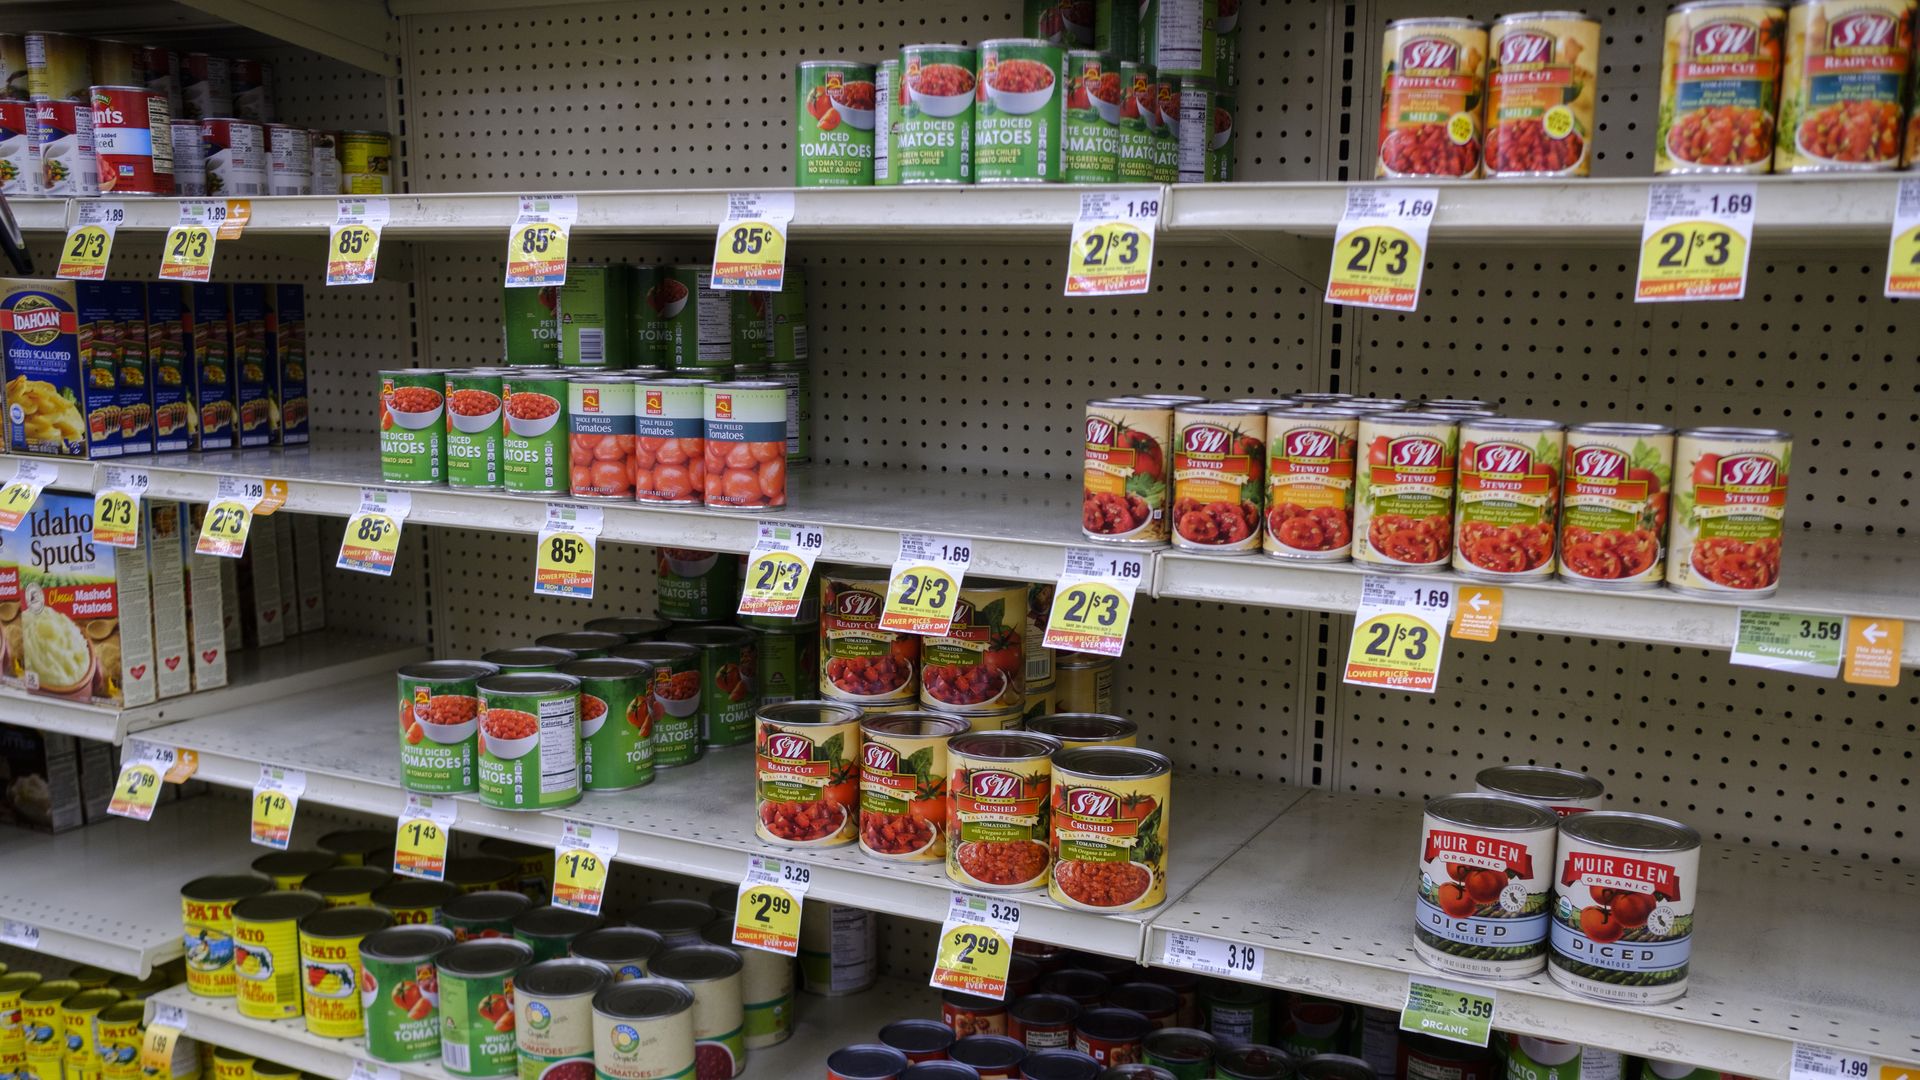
(925, 584)
(276, 795)
(116, 505)
(581, 860)
(1695, 243)
(563, 561)
(1789, 641)
(768, 913)
(1398, 633)
(420, 842)
(20, 493)
(778, 568)
(229, 517)
(187, 254)
(1111, 253)
(353, 244)
(537, 243)
(371, 541)
(750, 252)
(143, 765)
(1903, 252)
(1380, 247)
(1462, 1014)
(89, 242)
(1094, 601)
(976, 945)
(1227, 959)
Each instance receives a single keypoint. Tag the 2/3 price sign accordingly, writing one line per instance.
(229, 517)
(1695, 242)
(276, 795)
(116, 505)
(1380, 247)
(778, 568)
(975, 947)
(563, 562)
(187, 253)
(1111, 253)
(1398, 634)
(353, 244)
(89, 242)
(767, 915)
(371, 541)
(537, 242)
(1903, 252)
(1093, 601)
(750, 252)
(924, 588)
(581, 860)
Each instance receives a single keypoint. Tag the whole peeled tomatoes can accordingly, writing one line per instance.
(403, 992)
(859, 661)
(600, 437)
(1123, 471)
(1842, 92)
(1310, 481)
(1435, 74)
(1541, 90)
(997, 800)
(807, 759)
(1613, 505)
(670, 442)
(1729, 510)
(1403, 498)
(746, 448)
(1508, 498)
(1018, 113)
(1110, 828)
(833, 135)
(1486, 868)
(476, 1006)
(903, 785)
(1624, 890)
(1219, 476)
(1719, 87)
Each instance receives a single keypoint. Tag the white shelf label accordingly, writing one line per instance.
(18, 934)
(1111, 250)
(1212, 956)
(172, 1016)
(1824, 1063)
(368, 1070)
(1695, 243)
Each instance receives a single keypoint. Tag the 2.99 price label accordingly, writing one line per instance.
(1398, 634)
(1111, 252)
(1695, 242)
(778, 569)
(1379, 249)
(975, 949)
(767, 915)
(924, 587)
(563, 563)
(1093, 601)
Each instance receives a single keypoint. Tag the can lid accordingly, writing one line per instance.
(659, 652)
(633, 627)
(1221, 408)
(565, 977)
(480, 959)
(88, 1000)
(449, 670)
(1510, 423)
(1631, 832)
(1059, 1063)
(940, 1069)
(1539, 782)
(1112, 1023)
(610, 667)
(345, 922)
(1080, 984)
(676, 916)
(1122, 402)
(51, 990)
(712, 637)
(973, 1002)
(16, 981)
(1497, 813)
(988, 1051)
(1113, 762)
(1412, 418)
(1084, 726)
(1615, 427)
(1145, 997)
(1187, 1044)
(1547, 16)
(1040, 43)
(528, 656)
(920, 724)
(228, 1053)
(402, 944)
(867, 1061)
(1735, 434)
(697, 963)
(347, 880)
(302, 862)
(273, 1068)
(124, 1012)
(643, 999)
(279, 906)
(1078, 661)
(1448, 20)
(1043, 1008)
(223, 887)
(833, 64)
(551, 921)
(1006, 745)
(493, 905)
(917, 1036)
(619, 944)
(414, 893)
(1318, 412)
(748, 384)
(581, 640)
(530, 682)
(805, 713)
(1255, 1062)
(481, 869)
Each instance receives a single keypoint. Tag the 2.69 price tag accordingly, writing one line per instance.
(276, 795)
(421, 838)
(1398, 633)
(1380, 247)
(371, 541)
(581, 860)
(767, 915)
(750, 252)
(778, 568)
(1695, 242)
(89, 242)
(1093, 601)
(924, 587)
(563, 561)
(1111, 252)
(537, 242)
(975, 947)
(143, 766)
(353, 244)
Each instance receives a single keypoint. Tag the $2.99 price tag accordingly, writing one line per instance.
(1398, 634)
(537, 243)
(1380, 247)
(353, 244)
(1094, 601)
(1227, 959)
(1111, 253)
(750, 253)
(1695, 242)
(276, 795)
(563, 562)
(371, 541)
(1462, 1014)
(778, 568)
(20, 493)
(420, 841)
(976, 945)
(89, 243)
(581, 860)
(143, 765)
(116, 506)
(924, 587)
(768, 913)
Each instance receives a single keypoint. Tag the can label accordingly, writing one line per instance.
(1541, 91)
(1614, 522)
(1219, 477)
(475, 403)
(58, 67)
(206, 86)
(934, 143)
(252, 83)
(1124, 473)
(1729, 511)
(1842, 95)
(594, 318)
(674, 705)
(530, 749)
(903, 785)
(888, 94)
(1548, 1059)
(1137, 139)
(533, 444)
(266, 962)
(439, 748)
(616, 731)
(552, 1031)
(1403, 499)
(670, 440)
(401, 1002)
(189, 159)
(806, 782)
(1202, 130)
(330, 987)
(727, 696)
(530, 326)
(696, 319)
(366, 163)
(412, 431)
(835, 131)
(476, 1025)
(746, 462)
(208, 941)
(1623, 921)
(19, 164)
(1508, 502)
(600, 443)
(788, 665)
(1017, 115)
(289, 160)
(1166, 149)
(118, 1043)
(1482, 908)
(997, 836)
(133, 141)
(766, 990)
(63, 142)
(1719, 88)
(1110, 841)
(979, 664)
(1431, 85)
(1183, 37)
(1310, 476)
(236, 153)
(1090, 152)
(696, 586)
(859, 661)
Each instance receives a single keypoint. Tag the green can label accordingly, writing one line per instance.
(786, 666)
(675, 709)
(1199, 131)
(696, 586)
(887, 94)
(1137, 143)
(752, 330)
(1166, 148)
(695, 320)
(530, 325)
(768, 1022)
(834, 133)
(934, 141)
(1091, 153)
(727, 699)
(530, 743)
(1183, 35)
(534, 442)
(412, 428)
(439, 717)
(476, 1025)
(1017, 120)
(616, 730)
(476, 401)
(647, 341)
(790, 320)
(403, 1023)
(593, 317)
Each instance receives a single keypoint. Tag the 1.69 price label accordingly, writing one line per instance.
(1695, 242)
(1111, 252)
(778, 569)
(1093, 601)
(1379, 249)
(1398, 634)
(924, 588)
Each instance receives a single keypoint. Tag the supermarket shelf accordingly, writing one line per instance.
(256, 676)
(1792, 949)
(358, 32)
(821, 1026)
(40, 215)
(695, 820)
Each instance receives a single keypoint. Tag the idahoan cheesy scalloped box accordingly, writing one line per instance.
(64, 380)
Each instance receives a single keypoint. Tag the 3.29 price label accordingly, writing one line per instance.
(1695, 242)
(1111, 252)
(1379, 248)
(767, 915)
(975, 948)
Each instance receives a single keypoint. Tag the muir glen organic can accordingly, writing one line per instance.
(1563, 791)
(934, 141)
(132, 141)
(1730, 506)
(1486, 869)
(1124, 471)
(1622, 922)
(1018, 115)
(834, 135)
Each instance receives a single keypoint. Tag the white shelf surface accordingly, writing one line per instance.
(1790, 948)
(821, 1026)
(306, 662)
(695, 819)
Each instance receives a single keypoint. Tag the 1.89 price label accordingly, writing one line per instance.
(1398, 634)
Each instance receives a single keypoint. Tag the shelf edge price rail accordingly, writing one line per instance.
(1696, 242)
(975, 949)
(923, 591)
(581, 859)
(1380, 247)
(353, 244)
(563, 560)
(89, 243)
(778, 568)
(767, 915)
(1111, 250)
(371, 541)
(537, 242)
(750, 251)
(1093, 601)
(1399, 634)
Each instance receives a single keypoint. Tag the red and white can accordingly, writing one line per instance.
(189, 159)
(132, 141)
(159, 69)
(63, 144)
(289, 160)
(252, 82)
(326, 162)
(19, 165)
(236, 156)
(206, 86)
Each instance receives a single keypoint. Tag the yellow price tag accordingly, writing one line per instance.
(564, 566)
(420, 849)
(116, 519)
(1379, 264)
(136, 793)
(768, 917)
(1111, 250)
(156, 1049)
(273, 817)
(370, 544)
(1397, 649)
(224, 530)
(353, 253)
(537, 254)
(920, 600)
(750, 255)
(187, 254)
(1693, 260)
(85, 255)
(16, 501)
(1903, 267)
(1089, 616)
(579, 879)
(973, 960)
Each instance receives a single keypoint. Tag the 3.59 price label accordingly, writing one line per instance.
(89, 242)
(371, 541)
(767, 915)
(924, 588)
(353, 244)
(537, 242)
(1790, 641)
(750, 252)
(1093, 601)
(975, 948)
(1695, 242)
(1398, 634)
(421, 837)
(778, 568)
(1458, 1013)
(1379, 249)
(1111, 252)
(581, 861)
(276, 795)
(563, 562)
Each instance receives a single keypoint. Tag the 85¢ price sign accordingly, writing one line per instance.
(1093, 601)
(537, 242)
(563, 563)
(1111, 253)
(1398, 634)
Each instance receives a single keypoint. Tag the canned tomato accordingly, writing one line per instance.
(920, 1040)
(529, 741)
(933, 143)
(673, 704)
(1424, 1057)
(766, 987)
(330, 968)
(1083, 683)
(979, 665)
(806, 754)
(483, 873)
(625, 950)
(414, 902)
(1719, 87)
(600, 437)
(1202, 119)
(839, 949)
(439, 713)
(1184, 983)
(189, 158)
(1219, 471)
(1843, 91)
(1613, 515)
(62, 141)
(40, 1026)
(59, 67)
(1310, 482)
(236, 153)
(485, 914)
(867, 1061)
(1042, 1021)
(117, 1041)
(359, 847)
(694, 320)
(532, 873)
(635, 628)
(528, 659)
(252, 82)
(1111, 1036)
(1039, 658)
(348, 886)
(132, 141)
(79, 1016)
(1485, 864)
(746, 448)
(1179, 36)
(1529, 1058)
(289, 160)
(713, 974)
(583, 644)
(401, 992)
(366, 163)
(473, 448)
(1090, 145)
(1166, 137)
(834, 133)
(1109, 831)
(476, 1006)
(1075, 730)
(1541, 91)
(1018, 114)
(860, 662)
(1433, 78)
(206, 86)
(288, 869)
(997, 795)
(799, 386)
(553, 1016)
(412, 448)
(677, 921)
(1136, 148)
(1729, 510)
(903, 785)
(994, 1057)
(206, 915)
(888, 95)
(643, 1030)
(1123, 479)
(1563, 791)
(696, 586)
(1237, 1014)
(969, 1014)
(1184, 1052)
(533, 446)
(670, 446)
(1507, 501)
(726, 682)
(787, 664)
(616, 728)
(1403, 499)
(1622, 920)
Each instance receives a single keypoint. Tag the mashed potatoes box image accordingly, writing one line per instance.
(87, 615)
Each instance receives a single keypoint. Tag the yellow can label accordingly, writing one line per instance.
(266, 969)
(119, 1042)
(330, 986)
(208, 941)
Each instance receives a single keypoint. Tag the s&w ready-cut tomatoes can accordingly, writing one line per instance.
(1508, 498)
(979, 665)
(1403, 497)
(1842, 95)
(1486, 871)
(1434, 77)
(1563, 791)
(1719, 87)
(1729, 510)
(903, 785)
(746, 448)
(1110, 827)
(1219, 476)
(1541, 91)
(1624, 888)
(1310, 476)
(859, 661)
(998, 791)
(807, 757)
(1613, 505)
(1123, 477)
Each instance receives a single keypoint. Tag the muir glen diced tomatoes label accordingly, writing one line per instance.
(1622, 925)
(1482, 905)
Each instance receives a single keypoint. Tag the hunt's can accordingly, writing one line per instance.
(1541, 90)
(726, 682)
(1219, 477)
(746, 449)
(1110, 828)
(550, 930)
(1563, 791)
(236, 152)
(1137, 140)
(1403, 503)
(1730, 501)
(979, 665)
(1019, 115)
(600, 437)
(1507, 498)
(997, 797)
(787, 664)
(1433, 79)
(439, 715)
(474, 399)
(289, 160)
(643, 1030)
(1624, 889)
(206, 86)
(476, 1006)
(615, 728)
(1486, 863)
(1124, 478)
(252, 90)
(1090, 148)
(712, 972)
(401, 992)
(670, 446)
(59, 67)
(1843, 92)
(348, 886)
(330, 968)
(206, 909)
(1181, 37)
(553, 1016)
(1203, 130)
(1075, 730)
(415, 902)
(934, 140)
(860, 662)
(482, 915)
(366, 163)
(903, 783)
(529, 741)
(533, 446)
(625, 950)
(132, 141)
(189, 158)
(63, 143)
(806, 754)
(412, 433)
(1719, 87)
(766, 987)
(673, 703)
(834, 133)
(888, 93)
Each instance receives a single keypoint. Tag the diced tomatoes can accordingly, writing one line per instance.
(979, 665)
(62, 143)
(1403, 498)
(1614, 504)
(903, 785)
(1719, 87)
(1203, 131)
(727, 691)
(834, 134)
(616, 722)
(1729, 510)
(1507, 501)
(1090, 146)
(713, 973)
(476, 1006)
(206, 912)
(888, 93)
(439, 715)
(696, 586)
(1179, 36)
(643, 1030)
(787, 663)
(1432, 84)
(1486, 874)
(1219, 474)
(132, 141)
(674, 702)
(1136, 146)
(1624, 889)
(1541, 91)
(806, 761)
(1123, 471)
(1843, 91)
(1110, 828)
(330, 968)
(534, 440)
(1563, 791)
(1075, 730)
(1310, 482)
(474, 398)
(1166, 157)
(997, 798)
(529, 741)
(366, 163)
(1019, 113)
(236, 152)
(746, 447)
(933, 142)
(600, 437)
(403, 995)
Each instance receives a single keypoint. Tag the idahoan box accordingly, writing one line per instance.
(211, 337)
(60, 402)
(175, 377)
(287, 345)
(250, 313)
(88, 623)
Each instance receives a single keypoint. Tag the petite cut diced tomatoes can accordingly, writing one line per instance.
(1486, 875)
(1433, 79)
(1624, 892)
(807, 780)
(1541, 92)
(1110, 828)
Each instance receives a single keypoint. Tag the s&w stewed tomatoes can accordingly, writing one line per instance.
(1508, 498)
(1541, 91)
(1123, 477)
(1433, 79)
(1219, 477)
(1729, 510)
(1310, 475)
(997, 794)
(1624, 889)
(807, 761)
(1613, 512)
(1403, 498)
(1486, 869)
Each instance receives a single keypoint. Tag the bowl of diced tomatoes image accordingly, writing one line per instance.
(970, 689)
(681, 696)
(1002, 865)
(1101, 886)
(472, 411)
(531, 415)
(509, 733)
(869, 680)
(414, 408)
(806, 824)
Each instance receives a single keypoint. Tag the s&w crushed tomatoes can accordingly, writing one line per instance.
(1624, 888)
(1486, 869)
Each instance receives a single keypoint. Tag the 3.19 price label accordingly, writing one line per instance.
(1379, 249)
(767, 915)
(778, 569)
(1093, 601)
(1111, 252)
(563, 562)
(581, 861)
(975, 949)
(1227, 959)
(750, 252)
(924, 588)
(537, 242)
(1398, 634)
(1695, 242)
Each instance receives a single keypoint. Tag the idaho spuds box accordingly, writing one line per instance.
(87, 613)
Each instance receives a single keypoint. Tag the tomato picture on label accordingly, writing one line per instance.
(1124, 471)
(1729, 510)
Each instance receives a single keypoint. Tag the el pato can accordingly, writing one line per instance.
(1563, 791)
(206, 909)
(1624, 890)
(1486, 863)
(330, 969)
(132, 141)
(643, 1030)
